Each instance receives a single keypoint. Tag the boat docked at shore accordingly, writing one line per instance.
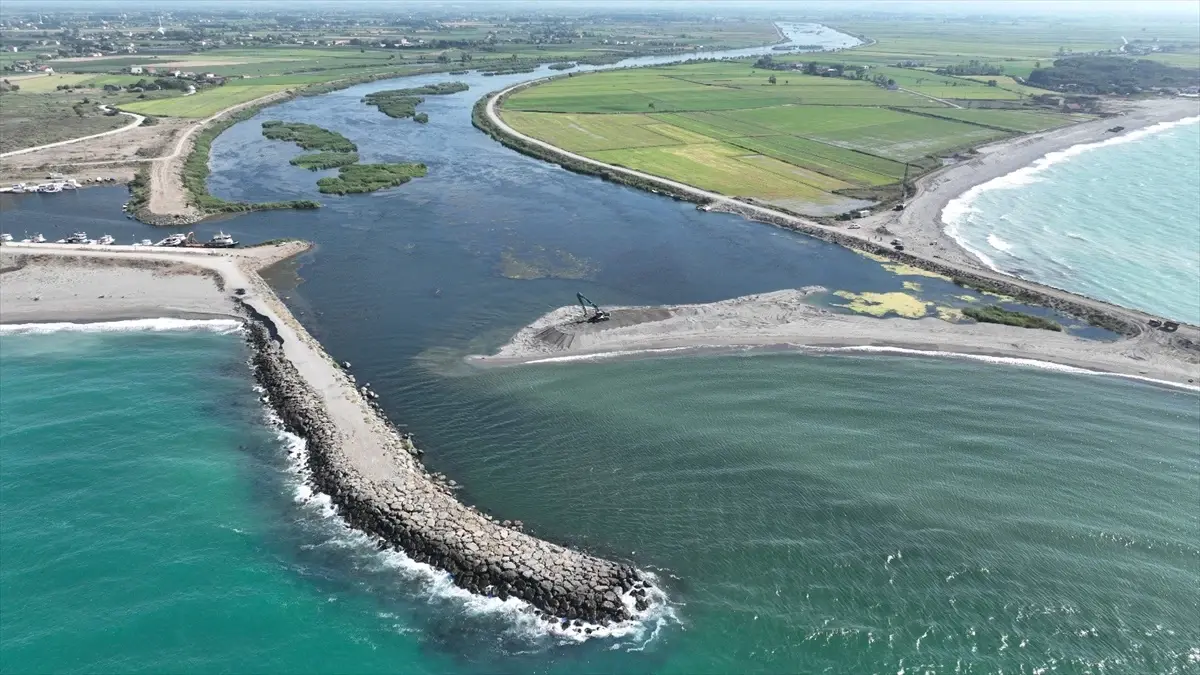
(106, 240)
(172, 240)
(77, 238)
(221, 240)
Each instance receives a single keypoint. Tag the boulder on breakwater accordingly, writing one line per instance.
(413, 512)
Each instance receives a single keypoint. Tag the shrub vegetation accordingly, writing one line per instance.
(357, 178)
(997, 314)
(307, 136)
(402, 103)
(325, 160)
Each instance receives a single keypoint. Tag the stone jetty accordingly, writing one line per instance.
(390, 496)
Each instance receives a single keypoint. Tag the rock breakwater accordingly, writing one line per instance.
(411, 511)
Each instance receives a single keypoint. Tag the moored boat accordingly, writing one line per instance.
(106, 240)
(221, 240)
(172, 240)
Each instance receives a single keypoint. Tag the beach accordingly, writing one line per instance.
(920, 223)
(787, 319)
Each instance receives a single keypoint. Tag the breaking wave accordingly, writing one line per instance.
(437, 586)
(222, 326)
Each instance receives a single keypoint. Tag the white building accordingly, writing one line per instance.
(135, 70)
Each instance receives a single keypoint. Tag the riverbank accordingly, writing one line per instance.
(368, 468)
(921, 223)
(1127, 321)
(785, 318)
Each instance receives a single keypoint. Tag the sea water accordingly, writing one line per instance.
(804, 512)
(1117, 220)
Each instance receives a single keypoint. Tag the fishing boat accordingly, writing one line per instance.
(77, 238)
(18, 187)
(37, 239)
(6, 237)
(173, 240)
(221, 240)
(50, 188)
(106, 240)
(144, 242)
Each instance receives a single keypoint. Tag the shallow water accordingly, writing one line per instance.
(1119, 221)
(800, 516)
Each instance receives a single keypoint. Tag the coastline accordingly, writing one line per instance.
(785, 319)
(921, 222)
(369, 469)
(926, 246)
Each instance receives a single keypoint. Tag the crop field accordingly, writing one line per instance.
(206, 103)
(39, 84)
(718, 167)
(804, 139)
(1023, 121)
(706, 86)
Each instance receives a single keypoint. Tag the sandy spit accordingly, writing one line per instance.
(787, 318)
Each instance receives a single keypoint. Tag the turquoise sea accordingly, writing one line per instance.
(805, 512)
(1117, 220)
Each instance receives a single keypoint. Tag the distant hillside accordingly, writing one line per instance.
(1112, 75)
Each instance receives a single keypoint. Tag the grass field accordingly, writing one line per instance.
(703, 86)
(805, 139)
(204, 104)
(31, 119)
(1023, 121)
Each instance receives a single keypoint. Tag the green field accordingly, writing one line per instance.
(804, 139)
(702, 86)
(1024, 121)
(203, 104)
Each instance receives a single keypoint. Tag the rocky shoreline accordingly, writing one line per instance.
(413, 512)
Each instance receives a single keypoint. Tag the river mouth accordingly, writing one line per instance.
(803, 519)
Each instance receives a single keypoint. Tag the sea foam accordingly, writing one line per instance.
(222, 326)
(957, 211)
(438, 586)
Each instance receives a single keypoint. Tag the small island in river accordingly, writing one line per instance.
(402, 103)
(357, 178)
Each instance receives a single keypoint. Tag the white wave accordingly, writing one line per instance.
(222, 326)
(998, 243)
(438, 586)
(607, 355)
(958, 210)
(1010, 361)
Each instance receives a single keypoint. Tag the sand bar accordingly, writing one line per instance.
(787, 318)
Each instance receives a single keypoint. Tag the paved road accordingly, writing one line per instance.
(137, 119)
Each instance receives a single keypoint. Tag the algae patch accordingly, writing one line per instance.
(911, 271)
(542, 264)
(883, 304)
(914, 286)
(950, 314)
(967, 298)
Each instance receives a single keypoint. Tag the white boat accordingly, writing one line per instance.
(50, 188)
(19, 187)
(77, 238)
(172, 240)
(70, 184)
(221, 240)
(144, 242)
(106, 240)
(6, 237)
(38, 239)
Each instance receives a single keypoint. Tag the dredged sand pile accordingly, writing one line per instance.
(788, 318)
(369, 469)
